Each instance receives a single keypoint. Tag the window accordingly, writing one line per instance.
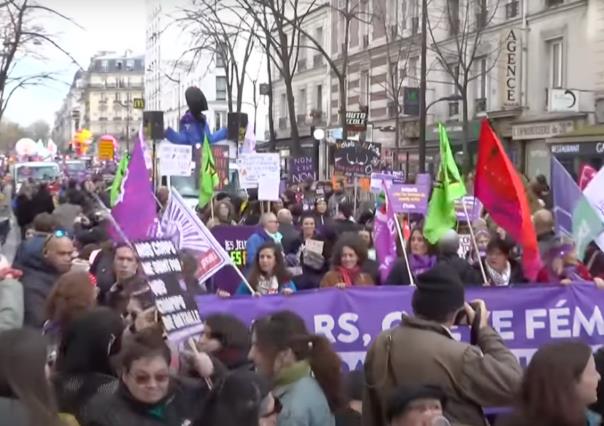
(556, 61)
(119, 65)
(221, 88)
(219, 120)
(302, 52)
(453, 13)
(481, 14)
(301, 102)
(481, 84)
(412, 70)
(319, 98)
(511, 9)
(319, 35)
(364, 99)
(130, 65)
(219, 61)
(104, 65)
(552, 3)
(117, 96)
(283, 106)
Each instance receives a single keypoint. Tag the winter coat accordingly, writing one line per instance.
(119, 408)
(75, 391)
(42, 203)
(467, 274)
(253, 244)
(38, 279)
(303, 403)
(11, 304)
(24, 210)
(420, 352)
(334, 277)
(516, 273)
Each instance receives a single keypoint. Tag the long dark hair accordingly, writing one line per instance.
(351, 240)
(22, 375)
(548, 394)
(286, 330)
(280, 272)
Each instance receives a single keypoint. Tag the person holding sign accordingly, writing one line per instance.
(349, 255)
(268, 274)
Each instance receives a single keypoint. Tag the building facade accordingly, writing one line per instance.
(68, 117)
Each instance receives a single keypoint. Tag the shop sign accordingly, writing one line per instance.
(563, 100)
(584, 148)
(511, 68)
(542, 130)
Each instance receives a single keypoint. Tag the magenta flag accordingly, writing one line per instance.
(134, 210)
(385, 237)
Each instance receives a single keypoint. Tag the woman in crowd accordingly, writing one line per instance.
(420, 260)
(83, 369)
(141, 313)
(26, 396)
(320, 212)
(350, 253)
(303, 367)
(559, 384)
(227, 339)
(370, 266)
(500, 267)
(190, 266)
(563, 267)
(73, 294)
(241, 398)
(146, 394)
(268, 274)
(224, 215)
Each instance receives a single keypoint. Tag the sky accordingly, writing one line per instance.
(112, 25)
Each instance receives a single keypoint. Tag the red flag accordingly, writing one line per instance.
(502, 193)
(587, 174)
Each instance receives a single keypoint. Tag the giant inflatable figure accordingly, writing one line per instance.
(193, 125)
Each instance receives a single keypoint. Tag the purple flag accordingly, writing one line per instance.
(134, 211)
(385, 237)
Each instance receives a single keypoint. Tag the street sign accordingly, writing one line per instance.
(138, 103)
(356, 121)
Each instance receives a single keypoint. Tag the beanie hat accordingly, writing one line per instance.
(439, 293)
(404, 395)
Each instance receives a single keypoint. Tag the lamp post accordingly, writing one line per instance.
(422, 88)
(127, 106)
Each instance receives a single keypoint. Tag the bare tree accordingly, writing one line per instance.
(10, 133)
(463, 24)
(215, 28)
(401, 44)
(21, 36)
(39, 130)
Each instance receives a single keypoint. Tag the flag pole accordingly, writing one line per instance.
(118, 228)
(244, 280)
(484, 275)
(400, 236)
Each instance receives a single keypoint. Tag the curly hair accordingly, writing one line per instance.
(353, 241)
(280, 271)
(73, 294)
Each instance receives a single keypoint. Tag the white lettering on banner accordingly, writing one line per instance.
(501, 321)
(600, 147)
(158, 287)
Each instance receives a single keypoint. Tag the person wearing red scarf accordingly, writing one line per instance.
(349, 254)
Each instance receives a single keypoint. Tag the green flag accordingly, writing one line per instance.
(208, 176)
(449, 187)
(587, 225)
(116, 186)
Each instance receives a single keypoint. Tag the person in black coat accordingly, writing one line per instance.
(501, 269)
(448, 247)
(42, 201)
(24, 208)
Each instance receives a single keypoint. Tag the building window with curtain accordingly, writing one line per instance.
(221, 88)
(556, 63)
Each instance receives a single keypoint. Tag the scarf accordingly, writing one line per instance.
(267, 285)
(420, 263)
(293, 373)
(349, 275)
(500, 279)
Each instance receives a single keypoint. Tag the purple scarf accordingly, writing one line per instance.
(421, 263)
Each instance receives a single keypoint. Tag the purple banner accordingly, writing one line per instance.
(302, 169)
(525, 317)
(233, 239)
(409, 198)
(473, 205)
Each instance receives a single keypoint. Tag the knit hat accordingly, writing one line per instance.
(439, 293)
(404, 395)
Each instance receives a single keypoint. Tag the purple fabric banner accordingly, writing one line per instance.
(525, 317)
(233, 239)
(135, 208)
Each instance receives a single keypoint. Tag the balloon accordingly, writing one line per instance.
(26, 146)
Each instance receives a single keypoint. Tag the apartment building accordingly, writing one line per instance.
(67, 118)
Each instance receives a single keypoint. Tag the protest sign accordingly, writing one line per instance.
(253, 166)
(473, 206)
(409, 198)
(160, 263)
(106, 150)
(221, 163)
(380, 179)
(268, 189)
(233, 240)
(187, 231)
(354, 158)
(465, 245)
(174, 160)
(525, 317)
(302, 169)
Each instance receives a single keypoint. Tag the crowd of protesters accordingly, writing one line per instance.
(81, 341)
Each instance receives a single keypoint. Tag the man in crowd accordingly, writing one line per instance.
(544, 228)
(40, 271)
(125, 268)
(448, 254)
(344, 221)
(416, 406)
(269, 230)
(286, 228)
(422, 351)
(67, 212)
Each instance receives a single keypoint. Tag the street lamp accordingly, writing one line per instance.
(127, 106)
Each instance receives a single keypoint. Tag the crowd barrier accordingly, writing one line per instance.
(525, 317)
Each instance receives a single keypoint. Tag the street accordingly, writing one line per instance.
(12, 242)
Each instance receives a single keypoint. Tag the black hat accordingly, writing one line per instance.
(439, 293)
(404, 395)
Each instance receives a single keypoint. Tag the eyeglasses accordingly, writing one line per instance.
(145, 379)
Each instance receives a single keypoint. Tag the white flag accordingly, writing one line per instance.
(594, 192)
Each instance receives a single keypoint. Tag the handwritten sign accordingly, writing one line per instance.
(409, 198)
(302, 169)
(254, 166)
(354, 158)
(160, 263)
(379, 179)
(175, 160)
(221, 161)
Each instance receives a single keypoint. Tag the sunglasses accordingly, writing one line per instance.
(59, 233)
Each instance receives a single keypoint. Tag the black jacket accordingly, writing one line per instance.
(121, 409)
(399, 275)
(24, 210)
(75, 391)
(37, 280)
(516, 273)
(467, 274)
